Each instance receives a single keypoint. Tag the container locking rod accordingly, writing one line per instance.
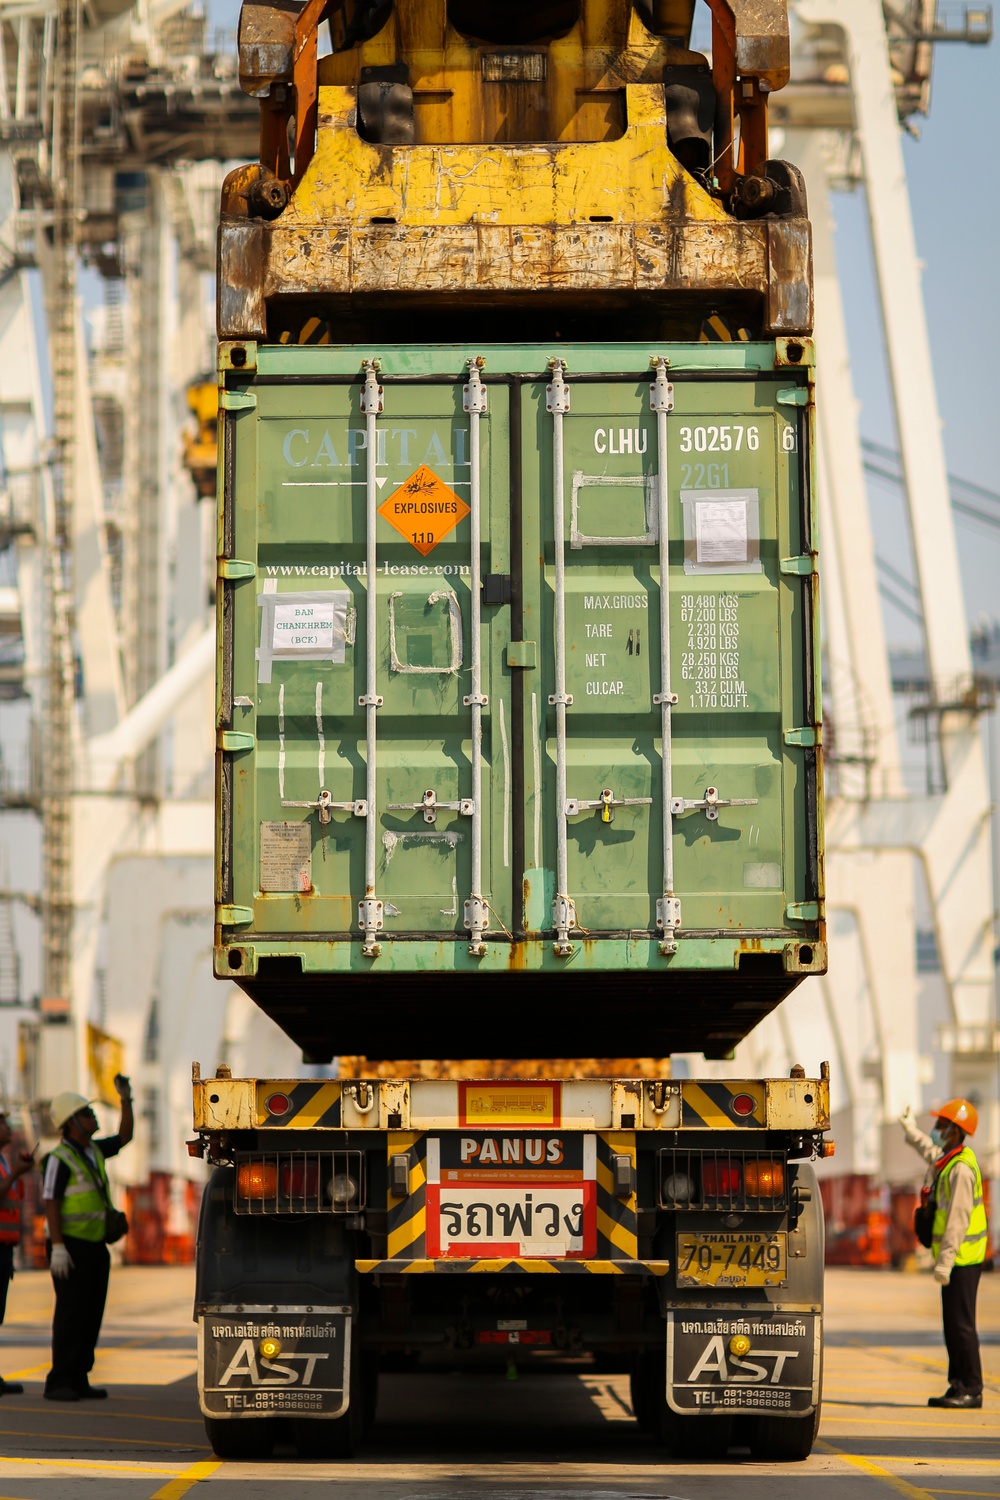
(668, 908)
(476, 909)
(563, 908)
(370, 909)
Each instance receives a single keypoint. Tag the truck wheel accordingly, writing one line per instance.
(249, 1438)
(783, 1440)
(695, 1437)
(647, 1385)
(334, 1438)
(337, 1437)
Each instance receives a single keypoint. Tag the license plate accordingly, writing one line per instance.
(744, 1258)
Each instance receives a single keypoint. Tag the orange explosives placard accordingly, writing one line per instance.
(424, 509)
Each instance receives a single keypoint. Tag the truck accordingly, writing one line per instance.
(519, 727)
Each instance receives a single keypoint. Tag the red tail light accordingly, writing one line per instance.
(299, 1179)
(720, 1177)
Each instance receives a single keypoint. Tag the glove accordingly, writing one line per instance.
(61, 1263)
(908, 1119)
(941, 1275)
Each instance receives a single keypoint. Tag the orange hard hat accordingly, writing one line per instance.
(961, 1113)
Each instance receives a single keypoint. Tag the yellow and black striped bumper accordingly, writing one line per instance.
(445, 1267)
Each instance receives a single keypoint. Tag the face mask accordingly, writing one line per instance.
(937, 1136)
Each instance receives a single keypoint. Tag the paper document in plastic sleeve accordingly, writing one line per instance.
(721, 531)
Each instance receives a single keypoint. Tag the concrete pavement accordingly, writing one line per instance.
(442, 1437)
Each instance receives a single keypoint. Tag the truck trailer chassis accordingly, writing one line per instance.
(669, 1228)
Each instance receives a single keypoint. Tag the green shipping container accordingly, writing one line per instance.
(447, 823)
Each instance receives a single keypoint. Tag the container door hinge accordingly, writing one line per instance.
(232, 567)
(803, 566)
(668, 920)
(234, 916)
(522, 654)
(802, 911)
(804, 737)
(796, 395)
(237, 400)
(234, 739)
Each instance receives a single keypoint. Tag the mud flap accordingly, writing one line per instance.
(721, 1362)
(242, 1374)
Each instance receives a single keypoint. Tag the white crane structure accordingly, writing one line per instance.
(110, 559)
(895, 854)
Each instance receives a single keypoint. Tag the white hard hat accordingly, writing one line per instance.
(66, 1104)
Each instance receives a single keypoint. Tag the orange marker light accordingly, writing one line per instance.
(256, 1179)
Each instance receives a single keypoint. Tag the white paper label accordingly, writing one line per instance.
(721, 531)
(303, 627)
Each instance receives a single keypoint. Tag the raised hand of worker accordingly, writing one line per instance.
(124, 1086)
(908, 1119)
(61, 1263)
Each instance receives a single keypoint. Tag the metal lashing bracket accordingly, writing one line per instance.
(371, 913)
(668, 920)
(709, 804)
(563, 920)
(607, 802)
(430, 804)
(370, 700)
(326, 807)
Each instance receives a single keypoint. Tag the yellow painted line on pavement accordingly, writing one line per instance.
(203, 1469)
(867, 1466)
(989, 1433)
(986, 1494)
(122, 1416)
(88, 1463)
(900, 1458)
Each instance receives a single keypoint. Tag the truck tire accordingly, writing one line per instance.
(646, 1385)
(695, 1437)
(782, 1440)
(246, 1439)
(333, 1438)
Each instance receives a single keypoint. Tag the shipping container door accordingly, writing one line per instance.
(312, 459)
(595, 786)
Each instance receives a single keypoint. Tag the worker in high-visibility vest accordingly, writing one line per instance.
(11, 1193)
(958, 1241)
(77, 1203)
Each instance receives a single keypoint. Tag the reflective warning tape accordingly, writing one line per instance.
(312, 1102)
(621, 1267)
(710, 1105)
(617, 1226)
(407, 1217)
